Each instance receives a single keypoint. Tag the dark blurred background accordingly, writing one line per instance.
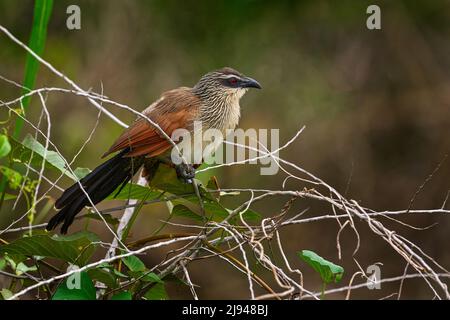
(376, 105)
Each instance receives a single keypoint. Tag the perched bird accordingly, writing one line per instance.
(214, 101)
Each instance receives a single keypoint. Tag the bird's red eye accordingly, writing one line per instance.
(232, 80)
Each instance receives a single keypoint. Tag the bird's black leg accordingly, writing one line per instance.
(185, 172)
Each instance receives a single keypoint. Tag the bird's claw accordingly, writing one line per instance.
(185, 172)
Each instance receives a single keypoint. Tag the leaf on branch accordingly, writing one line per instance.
(9, 196)
(151, 277)
(22, 268)
(5, 146)
(156, 292)
(51, 157)
(108, 218)
(103, 275)
(138, 270)
(32, 149)
(78, 286)
(166, 180)
(213, 184)
(134, 191)
(80, 173)
(6, 294)
(134, 263)
(182, 211)
(125, 295)
(328, 270)
(14, 178)
(76, 248)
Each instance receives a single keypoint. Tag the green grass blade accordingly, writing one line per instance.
(42, 12)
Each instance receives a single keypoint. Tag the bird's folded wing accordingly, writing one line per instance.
(175, 110)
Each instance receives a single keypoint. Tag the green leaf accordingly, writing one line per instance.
(21, 268)
(6, 294)
(151, 277)
(51, 157)
(5, 146)
(109, 267)
(175, 279)
(213, 184)
(14, 260)
(31, 150)
(119, 274)
(13, 177)
(251, 215)
(9, 196)
(217, 211)
(30, 147)
(125, 295)
(156, 292)
(103, 275)
(182, 211)
(134, 263)
(81, 172)
(108, 218)
(134, 191)
(42, 12)
(78, 286)
(145, 276)
(328, 271)
(76, 248)
(166, 180)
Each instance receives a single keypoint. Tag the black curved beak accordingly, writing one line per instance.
(250, 83)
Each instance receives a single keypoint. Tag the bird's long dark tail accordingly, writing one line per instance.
(98, 184)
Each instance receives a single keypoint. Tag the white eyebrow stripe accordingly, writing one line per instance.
(228, 76)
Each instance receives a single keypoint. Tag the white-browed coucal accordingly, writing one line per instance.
(213, 101)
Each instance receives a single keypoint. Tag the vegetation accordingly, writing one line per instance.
(377, 130)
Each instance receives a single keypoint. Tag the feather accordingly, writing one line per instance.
(98, 184)
(176, 109)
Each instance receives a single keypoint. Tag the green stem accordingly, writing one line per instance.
(127, 229)
(4, 182)
(322, 294)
